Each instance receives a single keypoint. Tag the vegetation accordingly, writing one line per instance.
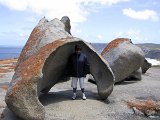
(147, 107)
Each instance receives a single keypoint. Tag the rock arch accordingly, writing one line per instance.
(55, 67)
(44, 69)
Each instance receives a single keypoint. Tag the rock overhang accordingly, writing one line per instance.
(60, 57)
(39, 71)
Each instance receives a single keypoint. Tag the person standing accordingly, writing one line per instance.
(78, 69)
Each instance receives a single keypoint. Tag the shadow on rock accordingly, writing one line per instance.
(127, 81)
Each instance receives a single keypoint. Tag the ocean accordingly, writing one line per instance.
(9, 52)
(14, 52)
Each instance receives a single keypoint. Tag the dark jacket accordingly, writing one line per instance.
(78, 65)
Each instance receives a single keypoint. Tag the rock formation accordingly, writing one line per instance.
(42, 64)
(145, 66)
(136, 75)
(66, 21)
(45, 32)
(123, 57)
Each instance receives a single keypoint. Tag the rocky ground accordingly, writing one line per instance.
(59, 105)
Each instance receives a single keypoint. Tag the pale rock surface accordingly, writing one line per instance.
(123, 57)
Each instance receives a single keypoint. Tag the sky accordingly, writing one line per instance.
(98, 21)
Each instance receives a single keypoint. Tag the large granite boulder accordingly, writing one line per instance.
(42, 64)
(123, 57)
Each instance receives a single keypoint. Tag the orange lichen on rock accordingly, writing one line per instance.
(32, 66)
(21, 84)
(4, 87)
(114, 44)
(27, 69)
(145, 106)
(34, 37)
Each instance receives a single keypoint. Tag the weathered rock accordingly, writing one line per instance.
(45, 32)
(136, 75)
(66, 21)
(145, 66)
(123, 57)
(43, 63)
(42, 21)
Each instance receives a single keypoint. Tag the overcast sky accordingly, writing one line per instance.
(92, 20)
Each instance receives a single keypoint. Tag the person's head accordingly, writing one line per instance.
(78, 49)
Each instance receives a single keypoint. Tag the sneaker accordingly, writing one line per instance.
(84, 96)
(74, 96)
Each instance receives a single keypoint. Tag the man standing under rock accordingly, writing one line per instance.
(78, 69)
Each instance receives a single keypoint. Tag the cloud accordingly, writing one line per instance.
(141, 15)
(101, 2)
(17, 35)
(77, 10)
(100, 37)
(137, 36)
(133, 34)
(130, 32)
(31, 19)
(78, 31)
(13, 38)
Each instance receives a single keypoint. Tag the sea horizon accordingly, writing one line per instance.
(21, 46)
(9, 52)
